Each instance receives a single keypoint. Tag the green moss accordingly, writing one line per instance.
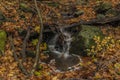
(3, 37)
(88, 33)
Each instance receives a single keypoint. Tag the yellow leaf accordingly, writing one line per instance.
(34, 42)
(55, 78)
(37, 73)
(88, 63)
(81, 64)
(117, 65)
(10, 75)
(37, 29)
(43, 46)
(97, 76)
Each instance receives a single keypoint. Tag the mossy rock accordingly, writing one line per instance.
(112, 12)
(102, 7)
(25, 8)
(100, 16)
(3, 37)
(84, 39)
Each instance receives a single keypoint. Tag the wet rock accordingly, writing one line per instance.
(3, 37)
(64, 63)
(84, 39)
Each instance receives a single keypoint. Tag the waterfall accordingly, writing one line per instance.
(59, 47)
(54, 45)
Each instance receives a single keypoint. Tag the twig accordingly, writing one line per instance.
(25, 44)
(16, 58)
(39, 40)
(25, 41)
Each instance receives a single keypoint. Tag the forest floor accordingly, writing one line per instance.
(105, 66)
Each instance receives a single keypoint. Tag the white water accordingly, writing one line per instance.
(66, 42)
(60, 45)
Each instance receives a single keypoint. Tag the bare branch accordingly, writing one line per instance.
(40, 38)
(16, 58)
(25, 41)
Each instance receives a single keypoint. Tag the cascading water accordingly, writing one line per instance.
(59, 46)
(63, 50)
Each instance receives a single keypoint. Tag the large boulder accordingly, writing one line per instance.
(84, 39)
(3, 37)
